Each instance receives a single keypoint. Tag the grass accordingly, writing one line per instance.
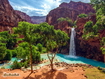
(94, 73)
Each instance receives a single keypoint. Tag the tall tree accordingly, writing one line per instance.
(27, 30)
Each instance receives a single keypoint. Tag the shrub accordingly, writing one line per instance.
(8, 55)
(88, 27)
(99, 68)
(16, 65)
(82, 15)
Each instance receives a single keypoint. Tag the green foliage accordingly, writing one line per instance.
(2, 52)
(89, 35)
(16, 65)
(14, 53)
(103, 50)
(25, 64)
(82, 15)
(40, 47)
(100, 12)
(8, 55)
(8, 39)
(103, 45)
(88, 27)
(99, 68)
(65, 19)
(23, 50)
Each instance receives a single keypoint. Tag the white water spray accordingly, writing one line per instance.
(72, 51)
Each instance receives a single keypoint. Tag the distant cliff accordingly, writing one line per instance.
(8, 17)
(38, 19)
(71, 10)
(24, 16)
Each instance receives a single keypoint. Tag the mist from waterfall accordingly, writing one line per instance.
(72, 51)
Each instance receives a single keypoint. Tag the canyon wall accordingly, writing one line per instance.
(24, 16)
(8, 17)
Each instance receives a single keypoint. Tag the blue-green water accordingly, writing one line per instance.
(63, 58)
(71, 60)
(67, 59)
(8, 65)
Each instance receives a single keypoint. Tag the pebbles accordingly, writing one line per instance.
(66, 65)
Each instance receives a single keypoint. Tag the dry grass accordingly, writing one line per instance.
(94, 73)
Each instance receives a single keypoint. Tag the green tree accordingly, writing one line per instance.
(88, 27)
(7, 41)
(27, 30)
(52, 39)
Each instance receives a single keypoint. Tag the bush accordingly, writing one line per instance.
(16, 65)
(88, 27)
(8, 55)
(82, 15)
(99, 68)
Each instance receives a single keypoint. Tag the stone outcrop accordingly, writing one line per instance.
(38, 19)
(24, 16)
(70, 10)
(8, 17)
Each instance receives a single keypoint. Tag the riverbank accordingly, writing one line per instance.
(62, 72)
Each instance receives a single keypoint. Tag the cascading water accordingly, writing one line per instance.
(72, 51)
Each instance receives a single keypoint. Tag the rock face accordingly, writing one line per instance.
(70, 10)
(87, 48)
(8, 17)
(38, 19)
(24, 16)
(80, 6)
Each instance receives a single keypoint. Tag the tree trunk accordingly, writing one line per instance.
(31, 58)
(52, 68)
(51, 60)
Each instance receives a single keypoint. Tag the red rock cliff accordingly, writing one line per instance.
(87, 48)
(71, 10)
(24, 16)
(8, 17)
(80, 6)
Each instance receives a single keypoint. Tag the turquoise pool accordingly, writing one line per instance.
(62, 58)
(68, 59)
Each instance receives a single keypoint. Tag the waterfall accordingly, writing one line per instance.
(72, 51)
